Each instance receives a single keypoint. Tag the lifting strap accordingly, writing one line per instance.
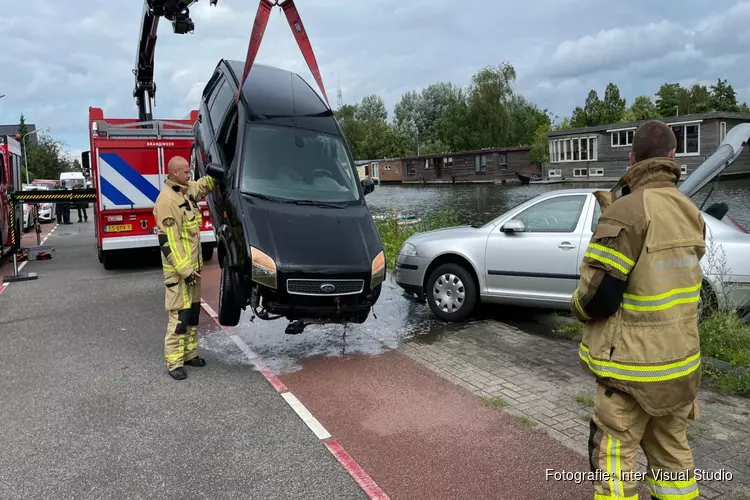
(300, 34)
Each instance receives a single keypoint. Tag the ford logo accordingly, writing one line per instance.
(327, 288)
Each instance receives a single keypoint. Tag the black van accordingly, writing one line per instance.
(295, 237)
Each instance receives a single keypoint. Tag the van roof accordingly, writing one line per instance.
(276, 92)
(71, 175)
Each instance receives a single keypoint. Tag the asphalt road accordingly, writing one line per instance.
(89, 412)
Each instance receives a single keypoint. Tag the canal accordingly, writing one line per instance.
(483, 202)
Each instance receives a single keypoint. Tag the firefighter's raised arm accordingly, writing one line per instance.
(610, 256)
(170, 242)
(200, 188)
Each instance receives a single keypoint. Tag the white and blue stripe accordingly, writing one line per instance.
(123, 186)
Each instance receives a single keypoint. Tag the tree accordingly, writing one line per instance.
(643, 108)
(612, 108)
(47, 160)
(372, 110)
(723, 97)
(669, 97)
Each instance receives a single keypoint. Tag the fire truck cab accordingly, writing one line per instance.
(10, 180)
(128, 161)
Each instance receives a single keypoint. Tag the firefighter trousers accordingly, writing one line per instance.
(618, 428)
(183, 303)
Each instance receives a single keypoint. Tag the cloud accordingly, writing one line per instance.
(67, 56)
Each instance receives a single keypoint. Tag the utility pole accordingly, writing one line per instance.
(339, 95)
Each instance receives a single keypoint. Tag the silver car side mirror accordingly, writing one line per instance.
(513, 226)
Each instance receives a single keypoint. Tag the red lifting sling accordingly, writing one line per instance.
(295, 23)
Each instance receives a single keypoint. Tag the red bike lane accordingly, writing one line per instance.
(418, 435)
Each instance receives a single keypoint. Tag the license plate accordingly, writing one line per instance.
(118, 228)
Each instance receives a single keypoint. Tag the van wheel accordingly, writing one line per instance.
(229, 304)
(451, 292)
(207, 249)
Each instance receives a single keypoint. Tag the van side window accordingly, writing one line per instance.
(211, 85)
(227, 139)
(221, 102)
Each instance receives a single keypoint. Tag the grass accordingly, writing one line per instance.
(584, 399)
(496, 402)
(393, 234)
(526, 421)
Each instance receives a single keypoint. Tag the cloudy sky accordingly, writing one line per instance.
(60, 57)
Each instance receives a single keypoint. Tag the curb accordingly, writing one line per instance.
(349, 464)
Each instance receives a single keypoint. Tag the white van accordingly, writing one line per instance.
(68, 179)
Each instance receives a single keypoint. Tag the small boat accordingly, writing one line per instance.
(401, 220)
(527, 178)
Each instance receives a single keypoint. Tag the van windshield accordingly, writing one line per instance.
(292, 164)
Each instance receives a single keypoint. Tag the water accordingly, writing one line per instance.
(483, 202)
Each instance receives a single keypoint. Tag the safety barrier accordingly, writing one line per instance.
(16, 198)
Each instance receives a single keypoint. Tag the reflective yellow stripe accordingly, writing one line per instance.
(192, 225)
(614, 258)
(209, 182)
(673, 490)
(186, 244)
(185, 296)
(599, 496)
(662, 301)
(640, 373)
(578, 305)
(180, 261)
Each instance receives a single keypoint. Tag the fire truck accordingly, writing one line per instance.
(10, 180)
(128, 157)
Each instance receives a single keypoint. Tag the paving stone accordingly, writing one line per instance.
(539, 378)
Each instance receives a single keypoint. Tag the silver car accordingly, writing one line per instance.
(530, 255)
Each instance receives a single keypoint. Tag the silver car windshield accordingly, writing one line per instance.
(291, 164)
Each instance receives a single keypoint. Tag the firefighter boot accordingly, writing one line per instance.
(178, 373)
(196, 361)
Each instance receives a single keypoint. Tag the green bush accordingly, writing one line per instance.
(724, 337)
(394, 234)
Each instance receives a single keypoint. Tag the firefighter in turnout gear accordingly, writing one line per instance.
(179, 221)
(638, 300)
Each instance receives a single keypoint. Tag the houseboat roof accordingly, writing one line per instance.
(611, 127)
(470, 152)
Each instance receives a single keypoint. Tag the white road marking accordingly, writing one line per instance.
(306, 416)
(244, 348)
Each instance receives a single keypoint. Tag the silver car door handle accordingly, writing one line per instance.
(566, 246)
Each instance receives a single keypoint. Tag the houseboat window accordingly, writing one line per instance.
(622, 138)
(480, 163)
(559, 215)
(592, 148)
(576, 152)
(596, 172)
(503, 161)
(584, 148)
(410, 168)
(683, 169)
(554, 172)
(579, 172)
(573, 149)
(688, 138)
(722, 131)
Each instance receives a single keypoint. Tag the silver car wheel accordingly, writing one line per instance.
(449, 293)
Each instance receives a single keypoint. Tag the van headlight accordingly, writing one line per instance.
(264, 268)
(378, 270)
(408, 250)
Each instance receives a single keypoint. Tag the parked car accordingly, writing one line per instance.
(46, 210)
(530, 255)
(295, 237)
